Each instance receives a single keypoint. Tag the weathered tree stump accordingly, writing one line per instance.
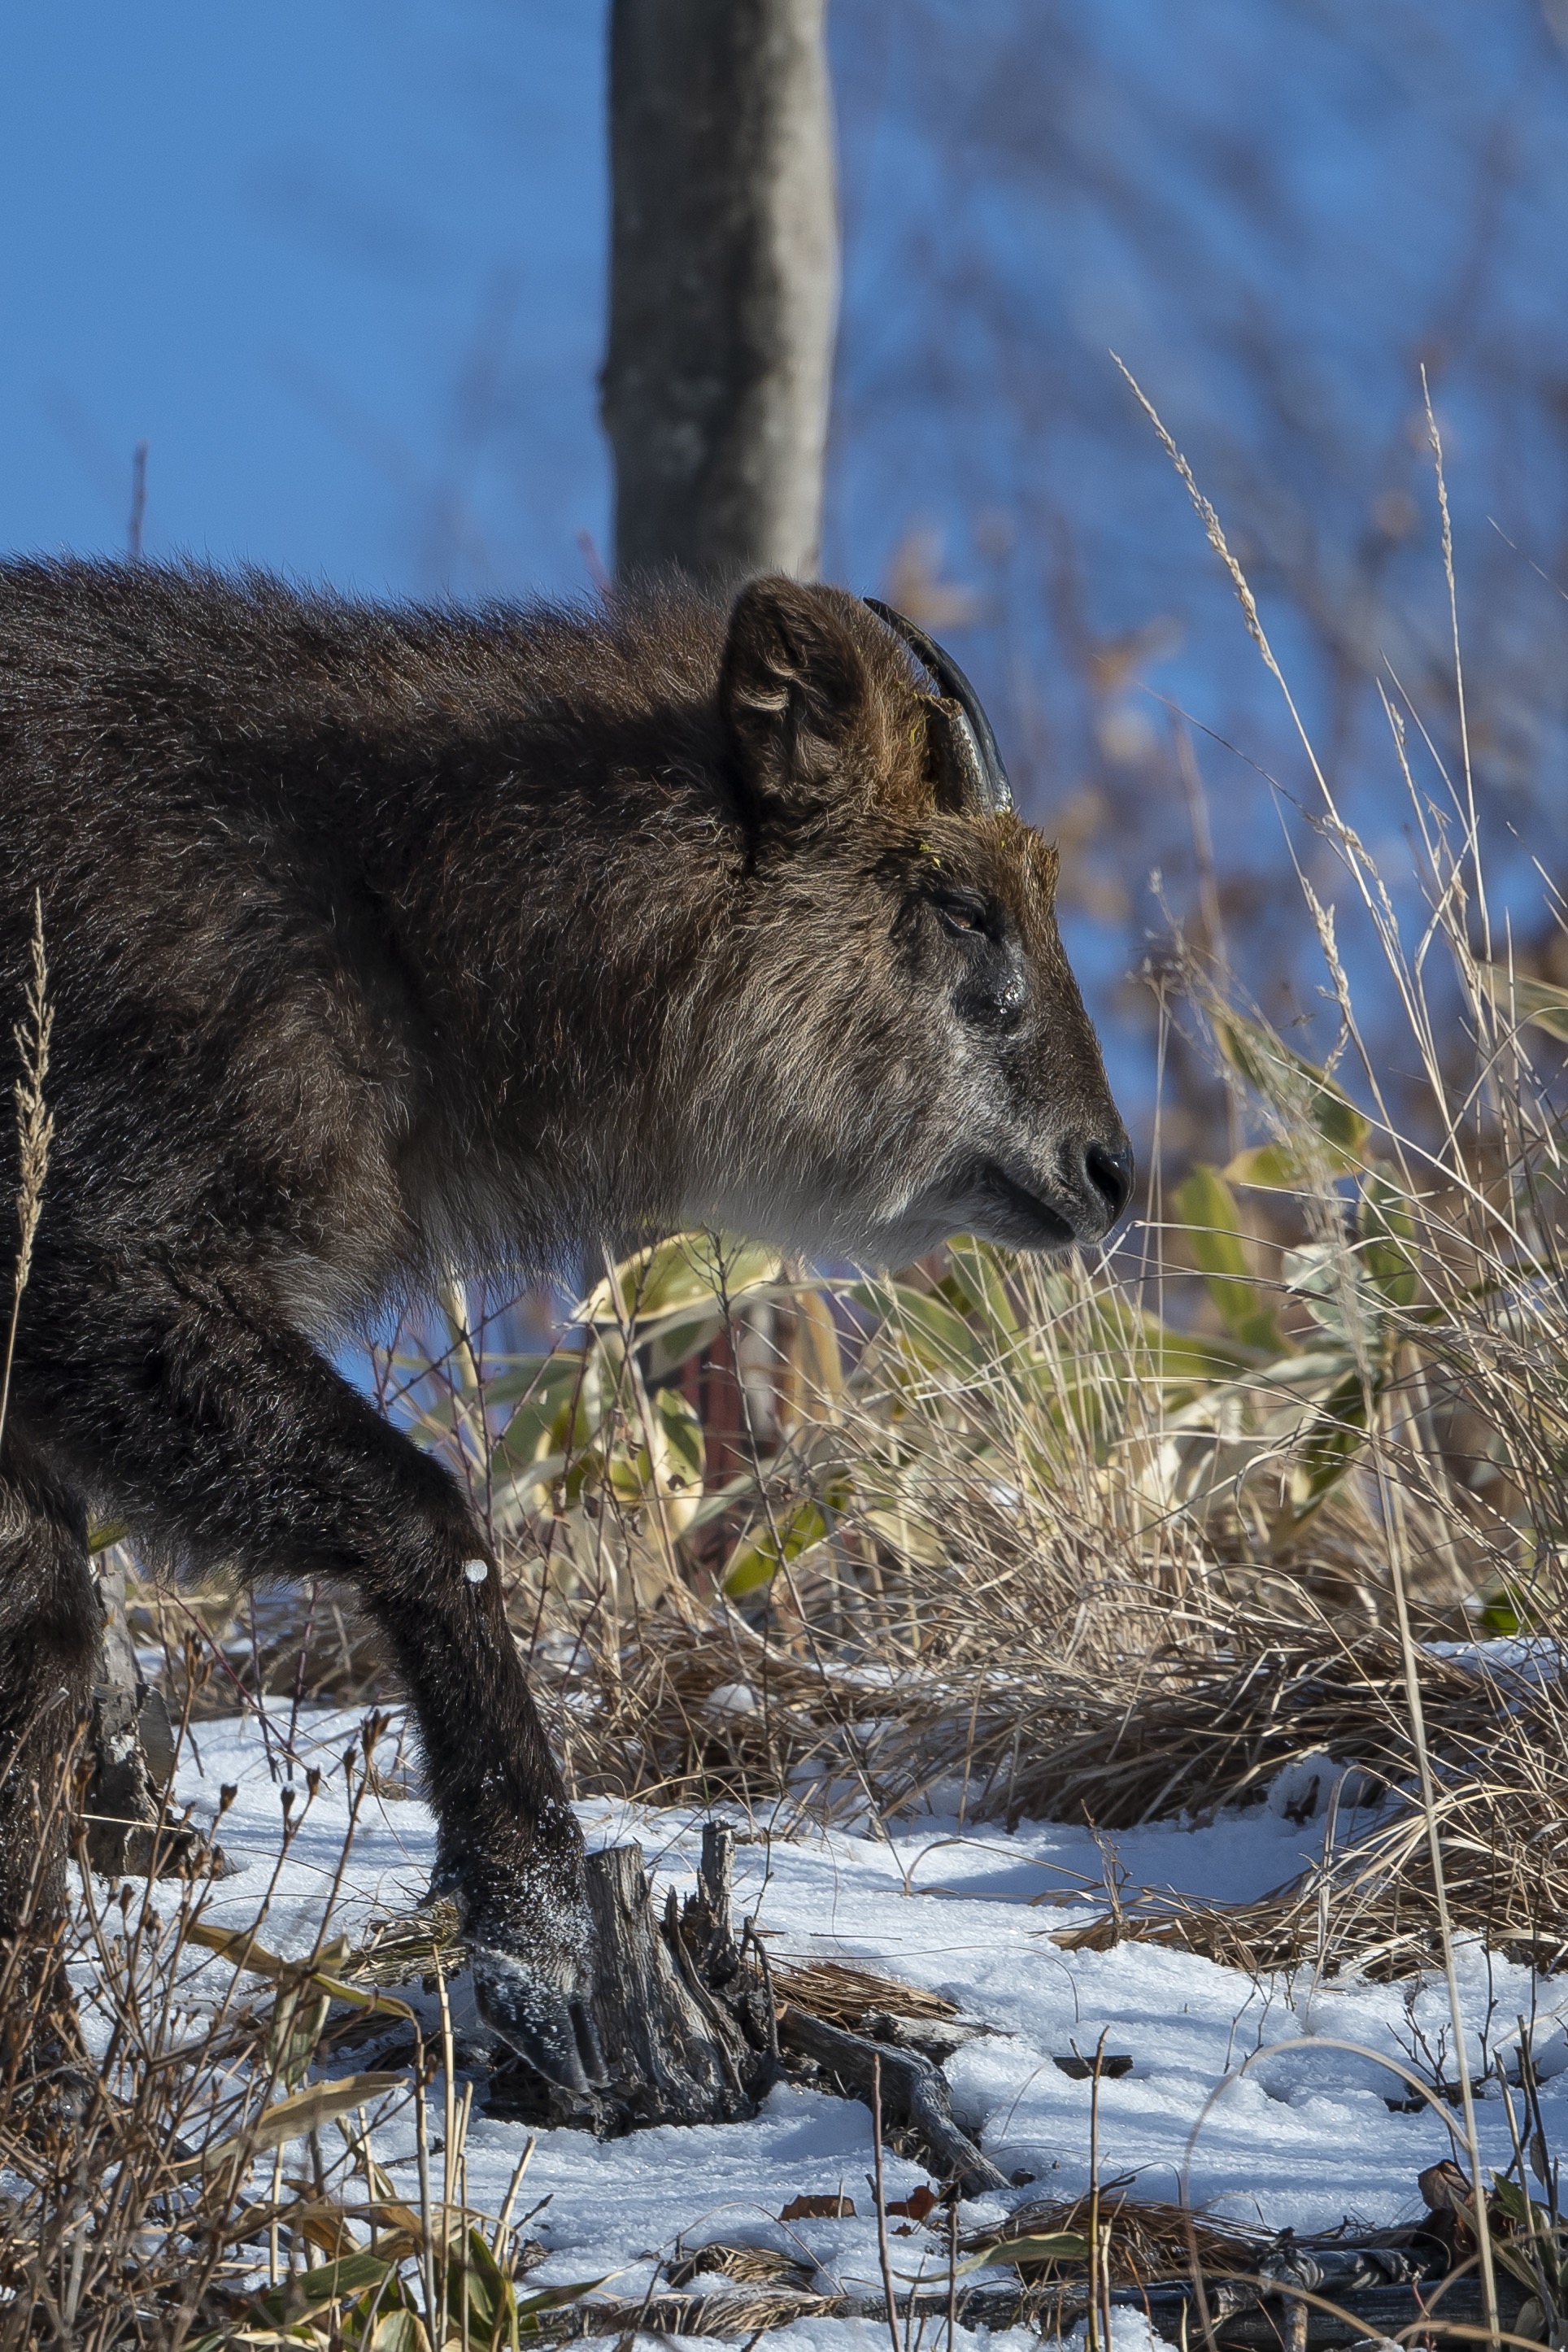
(674, 2050)
(670, 2024)
(692, 2033)
(125, 1794)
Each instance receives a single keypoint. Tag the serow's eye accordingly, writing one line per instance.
(958, 912)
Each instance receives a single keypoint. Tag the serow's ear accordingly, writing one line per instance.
(794, 690)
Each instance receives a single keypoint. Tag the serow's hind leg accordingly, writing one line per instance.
(48, 1624)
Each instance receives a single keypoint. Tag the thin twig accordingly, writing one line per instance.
(879, 2199)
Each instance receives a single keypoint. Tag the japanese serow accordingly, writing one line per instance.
(384, 942)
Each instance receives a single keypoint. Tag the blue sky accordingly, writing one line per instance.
(340, 265)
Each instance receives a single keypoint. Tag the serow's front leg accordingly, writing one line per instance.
(510, 1849)
(230, 1438)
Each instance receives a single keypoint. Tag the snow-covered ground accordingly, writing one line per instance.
(1304, 2136)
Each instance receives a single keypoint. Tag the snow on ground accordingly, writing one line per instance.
(1305, 2137)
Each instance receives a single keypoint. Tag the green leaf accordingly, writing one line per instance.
(666, 1345)
(1388, 1231)
(1178, 1358)
(1207, 1208)
(526, 1374)
(757, 1558)
(738, 1492)
(685, 1271)
(315, 2290)
(1499, 1610)
(481, 2283)
(551, 2299)
(1272, 1166)
(1516, 1605)
(1337, 1286)
(980, 1280)
(292, 2117)
(559, 1417)
(1055, 2246)
(1334, 1443)
(924, 1327)
(400, 2331)
(681, 1427)
(1296, 1089)
(1511, 2199)
(239, 1946)
(299, 2020)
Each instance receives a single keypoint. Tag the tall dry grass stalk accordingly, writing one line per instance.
(1463, 863)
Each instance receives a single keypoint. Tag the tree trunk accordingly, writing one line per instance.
(724, 295)
(723, 284)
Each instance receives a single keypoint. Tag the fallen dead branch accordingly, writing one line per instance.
(914, 2096)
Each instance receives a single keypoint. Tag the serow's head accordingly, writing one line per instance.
(905, 1054)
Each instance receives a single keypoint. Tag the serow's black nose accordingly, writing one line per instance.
(1111, 1173)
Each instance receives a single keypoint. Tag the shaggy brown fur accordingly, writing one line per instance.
(382, 940)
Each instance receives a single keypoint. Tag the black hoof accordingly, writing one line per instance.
(552, 2029)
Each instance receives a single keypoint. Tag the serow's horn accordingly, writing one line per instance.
(973, 744)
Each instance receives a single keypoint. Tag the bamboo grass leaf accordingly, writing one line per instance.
(688, 1270)
(1520, 997)
(317, 2290)
(1056, 2246)
(239, 1946)
(292, 2117)
(757, 1558)
(1207, 1208)
(1294, 1088)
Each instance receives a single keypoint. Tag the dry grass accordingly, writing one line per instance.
(148, 2200)
(845, 1995)
(1144, 2239)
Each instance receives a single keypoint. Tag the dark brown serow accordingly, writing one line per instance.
(382, 940)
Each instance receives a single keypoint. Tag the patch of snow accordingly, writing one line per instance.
(732, 1698)
(1310, 1785)
(1535, 1656)
(1233, 2080)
